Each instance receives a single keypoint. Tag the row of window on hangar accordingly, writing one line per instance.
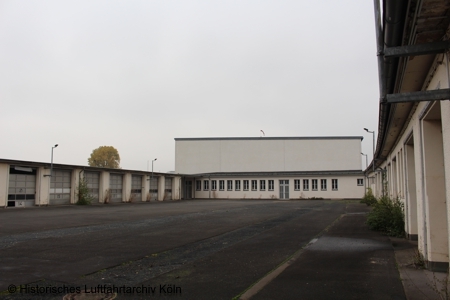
(271, 184)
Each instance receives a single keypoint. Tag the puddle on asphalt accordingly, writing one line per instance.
(328, 243)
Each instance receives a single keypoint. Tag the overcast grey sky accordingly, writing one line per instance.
(137, 74)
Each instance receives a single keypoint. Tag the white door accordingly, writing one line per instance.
(284, 189)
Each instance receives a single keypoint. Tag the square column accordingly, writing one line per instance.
(104, 194)
(161, 188)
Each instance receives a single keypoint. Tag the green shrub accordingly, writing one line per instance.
(369, 198)
(387, 216)
(84, 197)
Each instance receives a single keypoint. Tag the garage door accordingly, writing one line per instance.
(60, 187)
(22, 187)
(115, 187)
(136, 188)
(93, 182)
(168, 189)
(154, 188)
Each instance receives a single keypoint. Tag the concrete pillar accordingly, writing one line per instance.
(161, 188)
(445, 116)
(4, 183)
(411, 196)
(126, 187)
(394, 178)
(42, 186)
(372, 182)
(421, 212)
(104, 194)
(434, 188)
(74, 182)
(145, 188)
(176, 188)
(401, 181)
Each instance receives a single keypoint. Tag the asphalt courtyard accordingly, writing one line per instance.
(197, 249)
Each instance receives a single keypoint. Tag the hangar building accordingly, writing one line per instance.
(270, 167)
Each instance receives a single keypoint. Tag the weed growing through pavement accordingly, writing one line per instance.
(418, 260)
(369, 198)
(440, 286)
(387, 216)
(84, 197)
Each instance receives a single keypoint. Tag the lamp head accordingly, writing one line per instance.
(56, 146)
(366, 129)
(155, 159)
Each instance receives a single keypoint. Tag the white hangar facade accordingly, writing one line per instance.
(270, 167)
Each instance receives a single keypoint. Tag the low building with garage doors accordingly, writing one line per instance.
(270, 167)
(25, 183)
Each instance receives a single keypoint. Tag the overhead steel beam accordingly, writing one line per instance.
(422, 49)
(433, 95)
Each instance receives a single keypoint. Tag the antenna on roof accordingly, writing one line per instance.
(263, 133)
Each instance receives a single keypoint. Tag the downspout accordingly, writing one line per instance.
(380, 48)
(79, 180)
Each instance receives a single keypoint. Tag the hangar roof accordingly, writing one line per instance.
(273, 138)
(405, 23)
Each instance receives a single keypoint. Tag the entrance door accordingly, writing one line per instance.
(284, 189)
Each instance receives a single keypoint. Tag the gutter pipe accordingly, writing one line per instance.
(388, 34)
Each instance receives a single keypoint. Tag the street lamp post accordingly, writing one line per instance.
(373, 148)
(51, 174)
(51, 164)
(365, 185)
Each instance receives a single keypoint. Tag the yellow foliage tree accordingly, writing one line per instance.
(105, 157)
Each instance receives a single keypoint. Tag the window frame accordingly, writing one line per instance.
(254, 185)
(246, 185)
(213, 185)
(358, 180)
(334, 184)
(206, 185)
(229, 185)
(323, 184)
(297, 184)
(221, 185)
(262, 184)
(314, 184)
(271, 184)
(237, 185)
(198, 185)
(306, 184)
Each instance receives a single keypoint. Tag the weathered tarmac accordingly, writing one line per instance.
(197, 249)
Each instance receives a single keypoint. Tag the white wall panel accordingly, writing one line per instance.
(195, 156)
